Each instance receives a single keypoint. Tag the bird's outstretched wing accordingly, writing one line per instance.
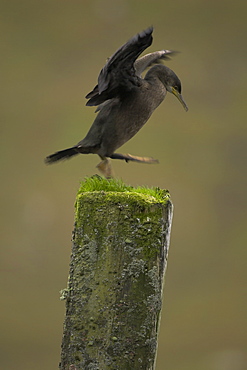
(140, 65)
(153, 58)
(118, 75)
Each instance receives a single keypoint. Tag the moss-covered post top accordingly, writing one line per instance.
(101, 185)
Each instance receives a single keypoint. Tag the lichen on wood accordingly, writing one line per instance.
(114, 296)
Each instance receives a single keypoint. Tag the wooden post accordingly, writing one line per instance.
(114, 296)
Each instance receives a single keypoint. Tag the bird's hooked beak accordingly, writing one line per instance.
(180, 98)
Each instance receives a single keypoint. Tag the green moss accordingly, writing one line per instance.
(99, 184)
(64, 294)
(98, 197)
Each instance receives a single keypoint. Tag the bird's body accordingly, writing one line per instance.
(124, 119)
(125, 101)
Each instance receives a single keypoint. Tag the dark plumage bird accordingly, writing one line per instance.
(125, 101)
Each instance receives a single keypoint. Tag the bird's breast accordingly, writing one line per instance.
(139, 106)
(129, 116)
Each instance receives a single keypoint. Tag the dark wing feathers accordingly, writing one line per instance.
(118, 74)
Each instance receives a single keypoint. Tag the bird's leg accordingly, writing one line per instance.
(129, 157)
(105, 167)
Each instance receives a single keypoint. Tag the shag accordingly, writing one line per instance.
(125, 101)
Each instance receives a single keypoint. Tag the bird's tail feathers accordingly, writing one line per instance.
(61, 155)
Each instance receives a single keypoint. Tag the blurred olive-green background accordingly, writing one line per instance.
(51, 54)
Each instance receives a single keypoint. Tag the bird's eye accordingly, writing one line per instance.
(175, 87)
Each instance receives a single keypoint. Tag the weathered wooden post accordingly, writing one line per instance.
(114, 296)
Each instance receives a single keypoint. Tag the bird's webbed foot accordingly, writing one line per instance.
(105, 167)
(129, 157)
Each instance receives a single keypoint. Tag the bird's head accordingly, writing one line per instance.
(174, 86)
(170, 80)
